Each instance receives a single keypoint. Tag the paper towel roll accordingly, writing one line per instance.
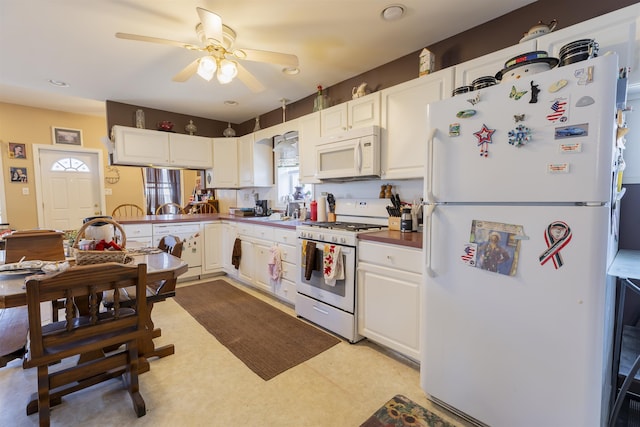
(322, 209)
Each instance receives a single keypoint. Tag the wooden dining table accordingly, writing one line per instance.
(160, 266)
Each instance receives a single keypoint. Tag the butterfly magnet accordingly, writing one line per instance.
(515, 94)
(474, 101)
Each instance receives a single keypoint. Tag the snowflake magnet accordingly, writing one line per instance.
(519, 136)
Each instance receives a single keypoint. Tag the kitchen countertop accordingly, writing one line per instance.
(393, 237)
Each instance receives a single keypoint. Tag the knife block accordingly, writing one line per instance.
(43, 245)
(394, 223)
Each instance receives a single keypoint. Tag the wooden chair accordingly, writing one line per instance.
(171, 206)
(202, 208)
(128, 209)
(85, 334)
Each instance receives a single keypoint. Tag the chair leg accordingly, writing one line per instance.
(43, 396)
(622, 394)
(131, 380)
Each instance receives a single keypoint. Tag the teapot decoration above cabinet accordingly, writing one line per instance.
(360, 91)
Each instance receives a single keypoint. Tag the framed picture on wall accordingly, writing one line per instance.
(66, 136)
(18, 174)
(17, 151)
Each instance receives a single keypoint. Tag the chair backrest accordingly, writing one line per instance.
(201, 208)
(168, 208)
(127, 209)
(172, 245)
(80, 334)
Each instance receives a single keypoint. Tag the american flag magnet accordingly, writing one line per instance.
(484, 139)
(559, 110)
(469, 254)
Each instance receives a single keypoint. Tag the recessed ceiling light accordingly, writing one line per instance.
(231, 103)
(58, 83)
(291, 71)
(392, 12)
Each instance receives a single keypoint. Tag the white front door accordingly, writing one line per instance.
(69, 186)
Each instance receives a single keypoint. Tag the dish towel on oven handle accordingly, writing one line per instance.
(275, 263)
(333, 268)
(309, 255)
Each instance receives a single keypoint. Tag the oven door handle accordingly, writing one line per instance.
(316, 308)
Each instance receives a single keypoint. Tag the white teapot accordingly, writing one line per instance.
(359, 91)
(540, 29)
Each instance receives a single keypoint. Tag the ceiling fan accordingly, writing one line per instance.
(220, 59)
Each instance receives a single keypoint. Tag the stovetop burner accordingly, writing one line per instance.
(349, 226)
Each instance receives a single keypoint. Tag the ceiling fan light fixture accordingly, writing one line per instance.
(227, 71)
(207, 67)
(393, 12)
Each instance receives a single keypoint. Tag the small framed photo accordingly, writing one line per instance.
(17, 151)
(18, 174)
(66, 136)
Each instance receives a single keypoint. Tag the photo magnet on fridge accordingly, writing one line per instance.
(496, 246)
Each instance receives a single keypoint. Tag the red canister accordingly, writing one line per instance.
(314, 210)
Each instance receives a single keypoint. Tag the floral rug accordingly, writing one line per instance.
(401, 411)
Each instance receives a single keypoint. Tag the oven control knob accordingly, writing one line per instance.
(343, 240)
(334, 239)
(320, 236)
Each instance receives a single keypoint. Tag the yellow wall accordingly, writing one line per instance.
(30, 126)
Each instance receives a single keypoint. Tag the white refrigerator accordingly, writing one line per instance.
(520, 228)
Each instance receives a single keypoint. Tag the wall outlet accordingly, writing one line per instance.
(108, 191)
(25, 191)
(246, 197)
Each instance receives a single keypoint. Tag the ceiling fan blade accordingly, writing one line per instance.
(187, 72)
(249, 79)
(266, 56)
(157, 40)
(212, 25)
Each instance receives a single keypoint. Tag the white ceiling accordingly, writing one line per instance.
(73, 41)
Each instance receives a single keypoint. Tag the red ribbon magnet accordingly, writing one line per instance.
(557, 236)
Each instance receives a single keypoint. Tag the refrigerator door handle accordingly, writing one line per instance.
(428, 185)
(427, 240)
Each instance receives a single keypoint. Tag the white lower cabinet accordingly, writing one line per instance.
(229, 235)
(212, 248)
(388, 296)
(245, 270)
(262, 255)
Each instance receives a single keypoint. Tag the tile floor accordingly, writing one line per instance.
(203, 384)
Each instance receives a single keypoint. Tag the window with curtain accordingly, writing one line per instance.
(161, 186)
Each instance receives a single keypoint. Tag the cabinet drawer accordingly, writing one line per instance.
(288, 253)
(137, 230)
(289, 271)
(285, 236)
(407, 259)
(262, 232)
(244, 229)
(286, 291)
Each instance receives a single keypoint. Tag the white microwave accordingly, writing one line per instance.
(352, 154)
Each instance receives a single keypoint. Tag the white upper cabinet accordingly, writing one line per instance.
(308, 136)
(360, 112)
(145, 147)
(194, 152)
(490, 64)
(404, 123)
(142, 147)
(255, 159)
(617, 31)
(225, 162)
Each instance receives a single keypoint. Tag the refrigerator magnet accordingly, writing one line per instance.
(484, 139)
(474, 101)
(556, 236)
(559, 110)
(468, 256)
(558, 168)
(519, 136)
(556, 86)
(535, 90)
(518, 117)
(584, 75)
(516, 95)
(571, 148)
(465, 114)
(454, 129)
(572, 131)
(585, 101)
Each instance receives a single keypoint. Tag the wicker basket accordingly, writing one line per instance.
(99, 257)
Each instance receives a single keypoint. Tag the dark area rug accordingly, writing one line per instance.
(401, 411)
(264, 338)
